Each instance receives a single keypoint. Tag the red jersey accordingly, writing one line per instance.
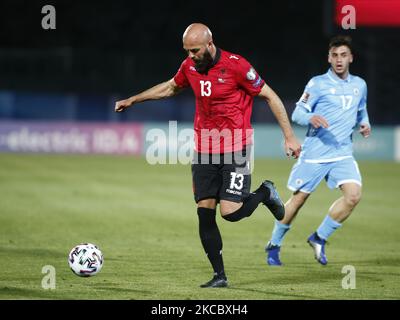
(224, 101)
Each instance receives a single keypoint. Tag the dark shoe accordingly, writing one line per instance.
(273, 254)
(216, 282)
(274, 202)
(318, 245)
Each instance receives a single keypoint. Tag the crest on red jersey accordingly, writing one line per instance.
(251, 74)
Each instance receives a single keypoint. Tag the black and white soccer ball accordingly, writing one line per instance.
(85, 260)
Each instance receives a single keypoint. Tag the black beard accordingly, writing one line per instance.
(204, 64)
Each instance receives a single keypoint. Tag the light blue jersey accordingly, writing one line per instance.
(327, 153)
(343, 103)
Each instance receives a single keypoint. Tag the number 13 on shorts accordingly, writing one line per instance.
(236, 181)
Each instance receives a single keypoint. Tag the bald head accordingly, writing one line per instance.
(198, 43)
(197, 34)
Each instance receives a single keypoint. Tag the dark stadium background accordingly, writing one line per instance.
(105, 50)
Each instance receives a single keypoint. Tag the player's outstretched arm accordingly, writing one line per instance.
(292, 145)
(163, 90)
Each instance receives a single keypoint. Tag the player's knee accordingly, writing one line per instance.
(298, 199)
(232, 216)
(207, 203)
(353, 198)
(229, 217)
(227, 208)
(227, 211)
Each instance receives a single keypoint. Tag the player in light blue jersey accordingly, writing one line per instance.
(332, 106)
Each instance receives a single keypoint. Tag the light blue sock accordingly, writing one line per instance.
(327, 227)
(278, 233)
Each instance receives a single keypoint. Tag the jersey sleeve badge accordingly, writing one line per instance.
(304, 97)
(251, 74)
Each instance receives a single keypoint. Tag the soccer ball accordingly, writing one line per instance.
(85, 260)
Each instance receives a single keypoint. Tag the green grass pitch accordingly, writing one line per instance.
(144, 220)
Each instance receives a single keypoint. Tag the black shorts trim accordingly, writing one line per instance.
(206, 198)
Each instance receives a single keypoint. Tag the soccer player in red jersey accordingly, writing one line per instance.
(224, 85)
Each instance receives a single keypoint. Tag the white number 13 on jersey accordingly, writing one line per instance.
(205, 88)
(346, 102)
